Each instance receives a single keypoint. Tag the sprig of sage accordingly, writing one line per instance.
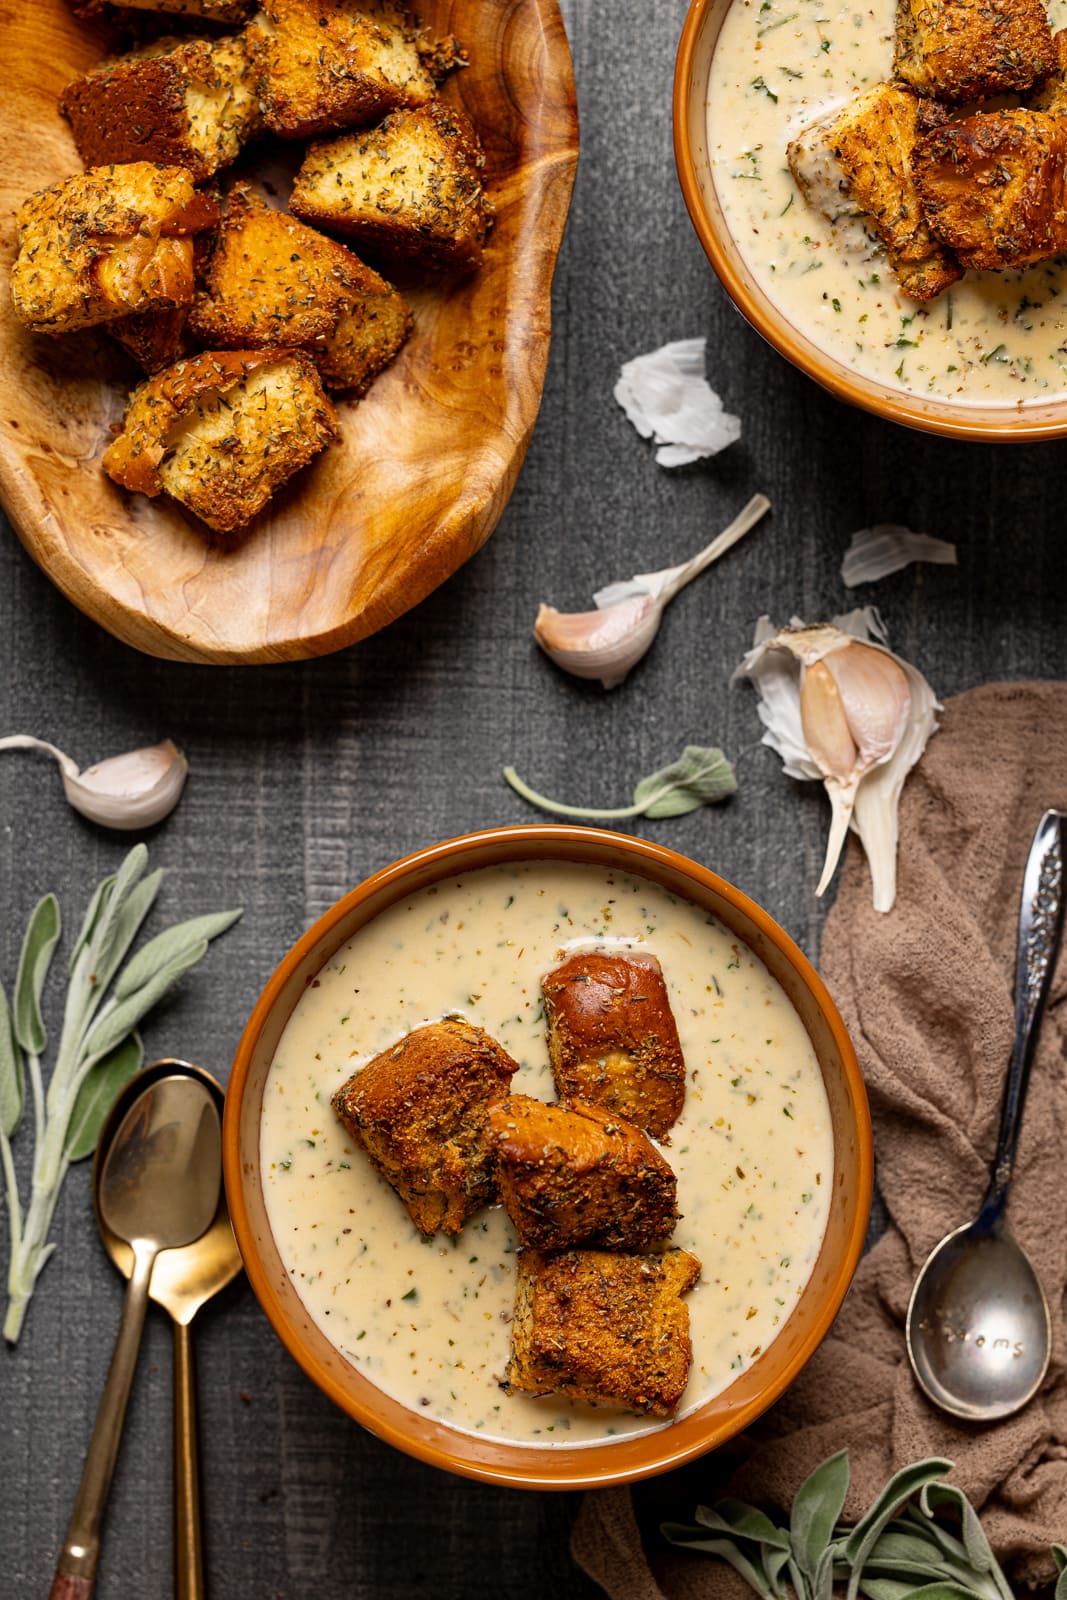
(901, 1548)
(701, 776)
(99, 1047)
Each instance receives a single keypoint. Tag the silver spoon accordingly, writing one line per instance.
(159, 1188)
(978, 1330)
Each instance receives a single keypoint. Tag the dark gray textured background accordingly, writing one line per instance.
(306, 778)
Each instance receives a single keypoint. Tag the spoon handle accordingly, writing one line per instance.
(76, 1567)
(1040, 926)
(188, 1545)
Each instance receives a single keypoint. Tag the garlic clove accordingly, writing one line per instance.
(825, 724)
(875, 698)
(133, 790)
(601, 644)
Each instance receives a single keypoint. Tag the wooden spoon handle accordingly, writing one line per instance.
(188, 1546)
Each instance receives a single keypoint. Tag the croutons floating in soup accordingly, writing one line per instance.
(429, 1320)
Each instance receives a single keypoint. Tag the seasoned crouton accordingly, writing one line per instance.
(213, 10)
(410, 188)
(189, 102)
(1052, 95)
(105, 243)
(420, 1110)
(969, 49)
(220, 432)
(604, 1327)
(857, 163)
(327, 64)
(155, 339)
(270, 279)
(580, 1175)
(612, 1038)
(994, 186)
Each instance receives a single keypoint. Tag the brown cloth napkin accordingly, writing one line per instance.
(926, 993)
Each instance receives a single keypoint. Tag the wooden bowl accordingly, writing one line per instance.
(525, 1465)
(426, 462)
(1006, 421)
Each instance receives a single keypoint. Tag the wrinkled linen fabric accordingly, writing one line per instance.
(926, 992)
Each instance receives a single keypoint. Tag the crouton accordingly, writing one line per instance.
(580, 1175)
(326, 64)
(612, 1038)
(222, 431)
(105, 243)
(857, 163)
(212, 10)
(155, 339)
(410, 188)
(604, 1327)
(969, 49)
(188, 102)
(1052, 95)
(421, 1109)
(994, 186)
(269, 279)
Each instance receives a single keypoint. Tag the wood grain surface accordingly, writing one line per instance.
(309, 775)
(425, 463)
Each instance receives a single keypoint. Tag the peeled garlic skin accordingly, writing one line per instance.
(601, 644)
(875, 697)
(130, 791)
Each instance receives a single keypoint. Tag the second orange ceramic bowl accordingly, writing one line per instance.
(700, 37)
(524, 1465)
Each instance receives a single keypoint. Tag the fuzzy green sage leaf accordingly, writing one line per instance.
(12, 1074)
(816, 1508)
(42, 935)
(700, 777)
(97, 1095)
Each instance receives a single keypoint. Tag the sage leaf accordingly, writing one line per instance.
(12, 1074)
(169, 947)
(816, 1509)
(677, 1534)
(700, 777)
(939, 1496)
(93, 912)
(1059, 1552)
(42, 934)
(123, 928)
(943, 1591)
(733, 1516)
(901, 1486)
(886, 1588)
(121, 1019)
(97, 1095)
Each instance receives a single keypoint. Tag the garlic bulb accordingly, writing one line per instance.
(607, 642)
(134, 790)
(838, 705)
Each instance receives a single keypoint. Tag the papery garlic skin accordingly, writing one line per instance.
(127, 792)
(837, 704)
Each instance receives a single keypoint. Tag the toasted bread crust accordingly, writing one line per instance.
(957, 50)
(212, 10)
(994, 186)
(187, 102)
(321, 65)
(859, 160)
(579, 1175)
(270, 279)
(222, 431)
(105, 243)
(604, 1327)
(420, 1110)
(612, 1038)
(1052, 95)
(409, 189)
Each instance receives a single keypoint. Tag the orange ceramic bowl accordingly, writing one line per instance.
(700, 36)
(525, 1465)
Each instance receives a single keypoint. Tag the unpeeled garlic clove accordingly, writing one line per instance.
(599, 644)
(131, 791)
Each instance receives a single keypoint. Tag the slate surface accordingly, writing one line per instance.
(306, 778)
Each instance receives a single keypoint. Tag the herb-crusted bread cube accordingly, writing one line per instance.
(958, 50)
(188, 102)
(410, 188)
(604, 1327)
(612, 1038)
(420, 1110)
(327, 64)
(211, 10)
(577, 1175)
(105, 243)
(269, 279)
(222, 431)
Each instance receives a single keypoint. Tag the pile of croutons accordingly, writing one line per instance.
(598, 1308)
(244, 315)
(946, 186)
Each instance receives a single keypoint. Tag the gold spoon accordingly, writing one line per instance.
(182, 1281)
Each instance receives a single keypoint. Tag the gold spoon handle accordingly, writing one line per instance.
(76, 1567)
(188, 1547)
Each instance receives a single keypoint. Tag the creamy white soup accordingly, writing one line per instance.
(993, 338)
(428, 1321)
